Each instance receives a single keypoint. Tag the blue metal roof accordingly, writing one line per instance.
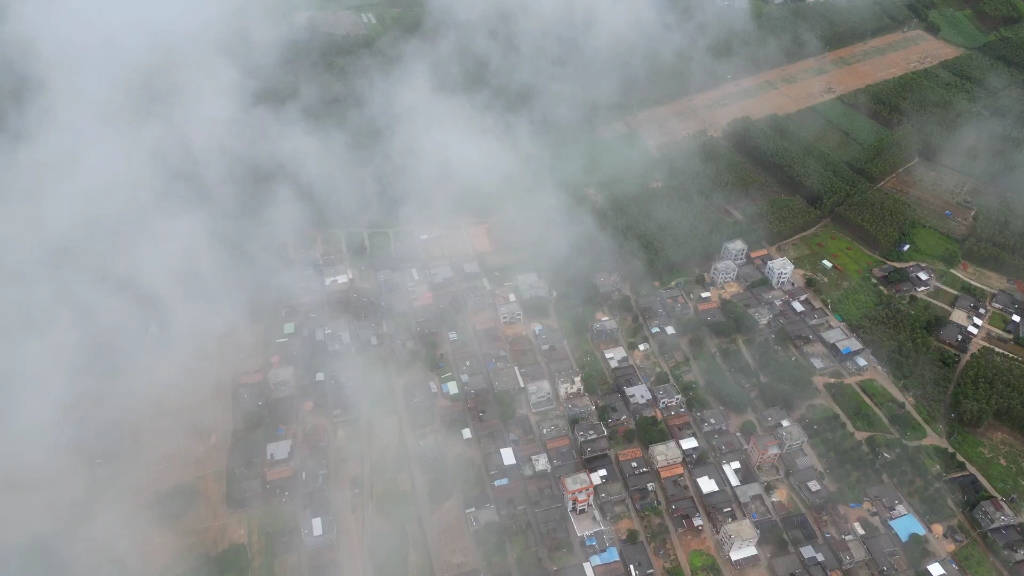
(907, 525)
(607, 557)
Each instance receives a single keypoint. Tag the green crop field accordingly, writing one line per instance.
(858, 127)
(899, 416)
(956, 28)
(824, 133)
(860, 414)
(841, 251)
(934, 247)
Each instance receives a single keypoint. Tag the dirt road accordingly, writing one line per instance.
(792, 87)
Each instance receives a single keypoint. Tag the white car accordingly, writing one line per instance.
(452, 336)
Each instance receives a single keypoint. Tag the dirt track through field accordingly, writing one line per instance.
(792, 87)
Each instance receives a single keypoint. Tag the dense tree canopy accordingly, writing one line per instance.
(878, 218)
(990, 387)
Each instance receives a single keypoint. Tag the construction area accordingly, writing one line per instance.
(790, 88)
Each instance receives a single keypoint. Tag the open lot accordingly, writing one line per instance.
(790, 88)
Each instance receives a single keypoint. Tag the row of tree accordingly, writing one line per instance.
(878, 218)
(815, 174)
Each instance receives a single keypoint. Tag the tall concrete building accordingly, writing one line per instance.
(723, 271)
(735, 250)
(779, 271)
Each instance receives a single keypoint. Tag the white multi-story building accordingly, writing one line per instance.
(735, 250)
(723, 271)
(738, 535)
(779, 271)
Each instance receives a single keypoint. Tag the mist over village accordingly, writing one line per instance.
(448, 288)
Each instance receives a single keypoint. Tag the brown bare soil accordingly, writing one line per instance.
(622, 526)
(1000, 433)
(792, 87)
(993, 280)
(452, 542)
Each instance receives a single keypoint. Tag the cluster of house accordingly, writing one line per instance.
(280, 414)
(1012, 307)
(569, 465)
(1002, 527)
(729, 477)
(849, 548)
(822, 342)
(913, 278)
(969, 314)
(736, 265)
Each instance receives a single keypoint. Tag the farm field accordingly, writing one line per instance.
(813, 125)
(790, 88)
(904, 422)
(862, 416)
(956, 28)
(934, 190)
(841, 251)
(934, 247)
(997, 455)
(858, 127)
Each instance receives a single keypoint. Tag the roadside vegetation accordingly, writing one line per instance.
(857, 411)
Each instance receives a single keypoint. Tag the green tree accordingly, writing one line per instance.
(700, 280)
(632, 536)
(650, 430)
(917, 550)
(623, 305)
(506, 405)
(748, 428)
(629, 435)
(696, 343)
(660, 378)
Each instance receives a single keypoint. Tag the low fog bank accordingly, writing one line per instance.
(156, 156)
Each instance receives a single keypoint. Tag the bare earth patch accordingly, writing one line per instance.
(792, 87)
